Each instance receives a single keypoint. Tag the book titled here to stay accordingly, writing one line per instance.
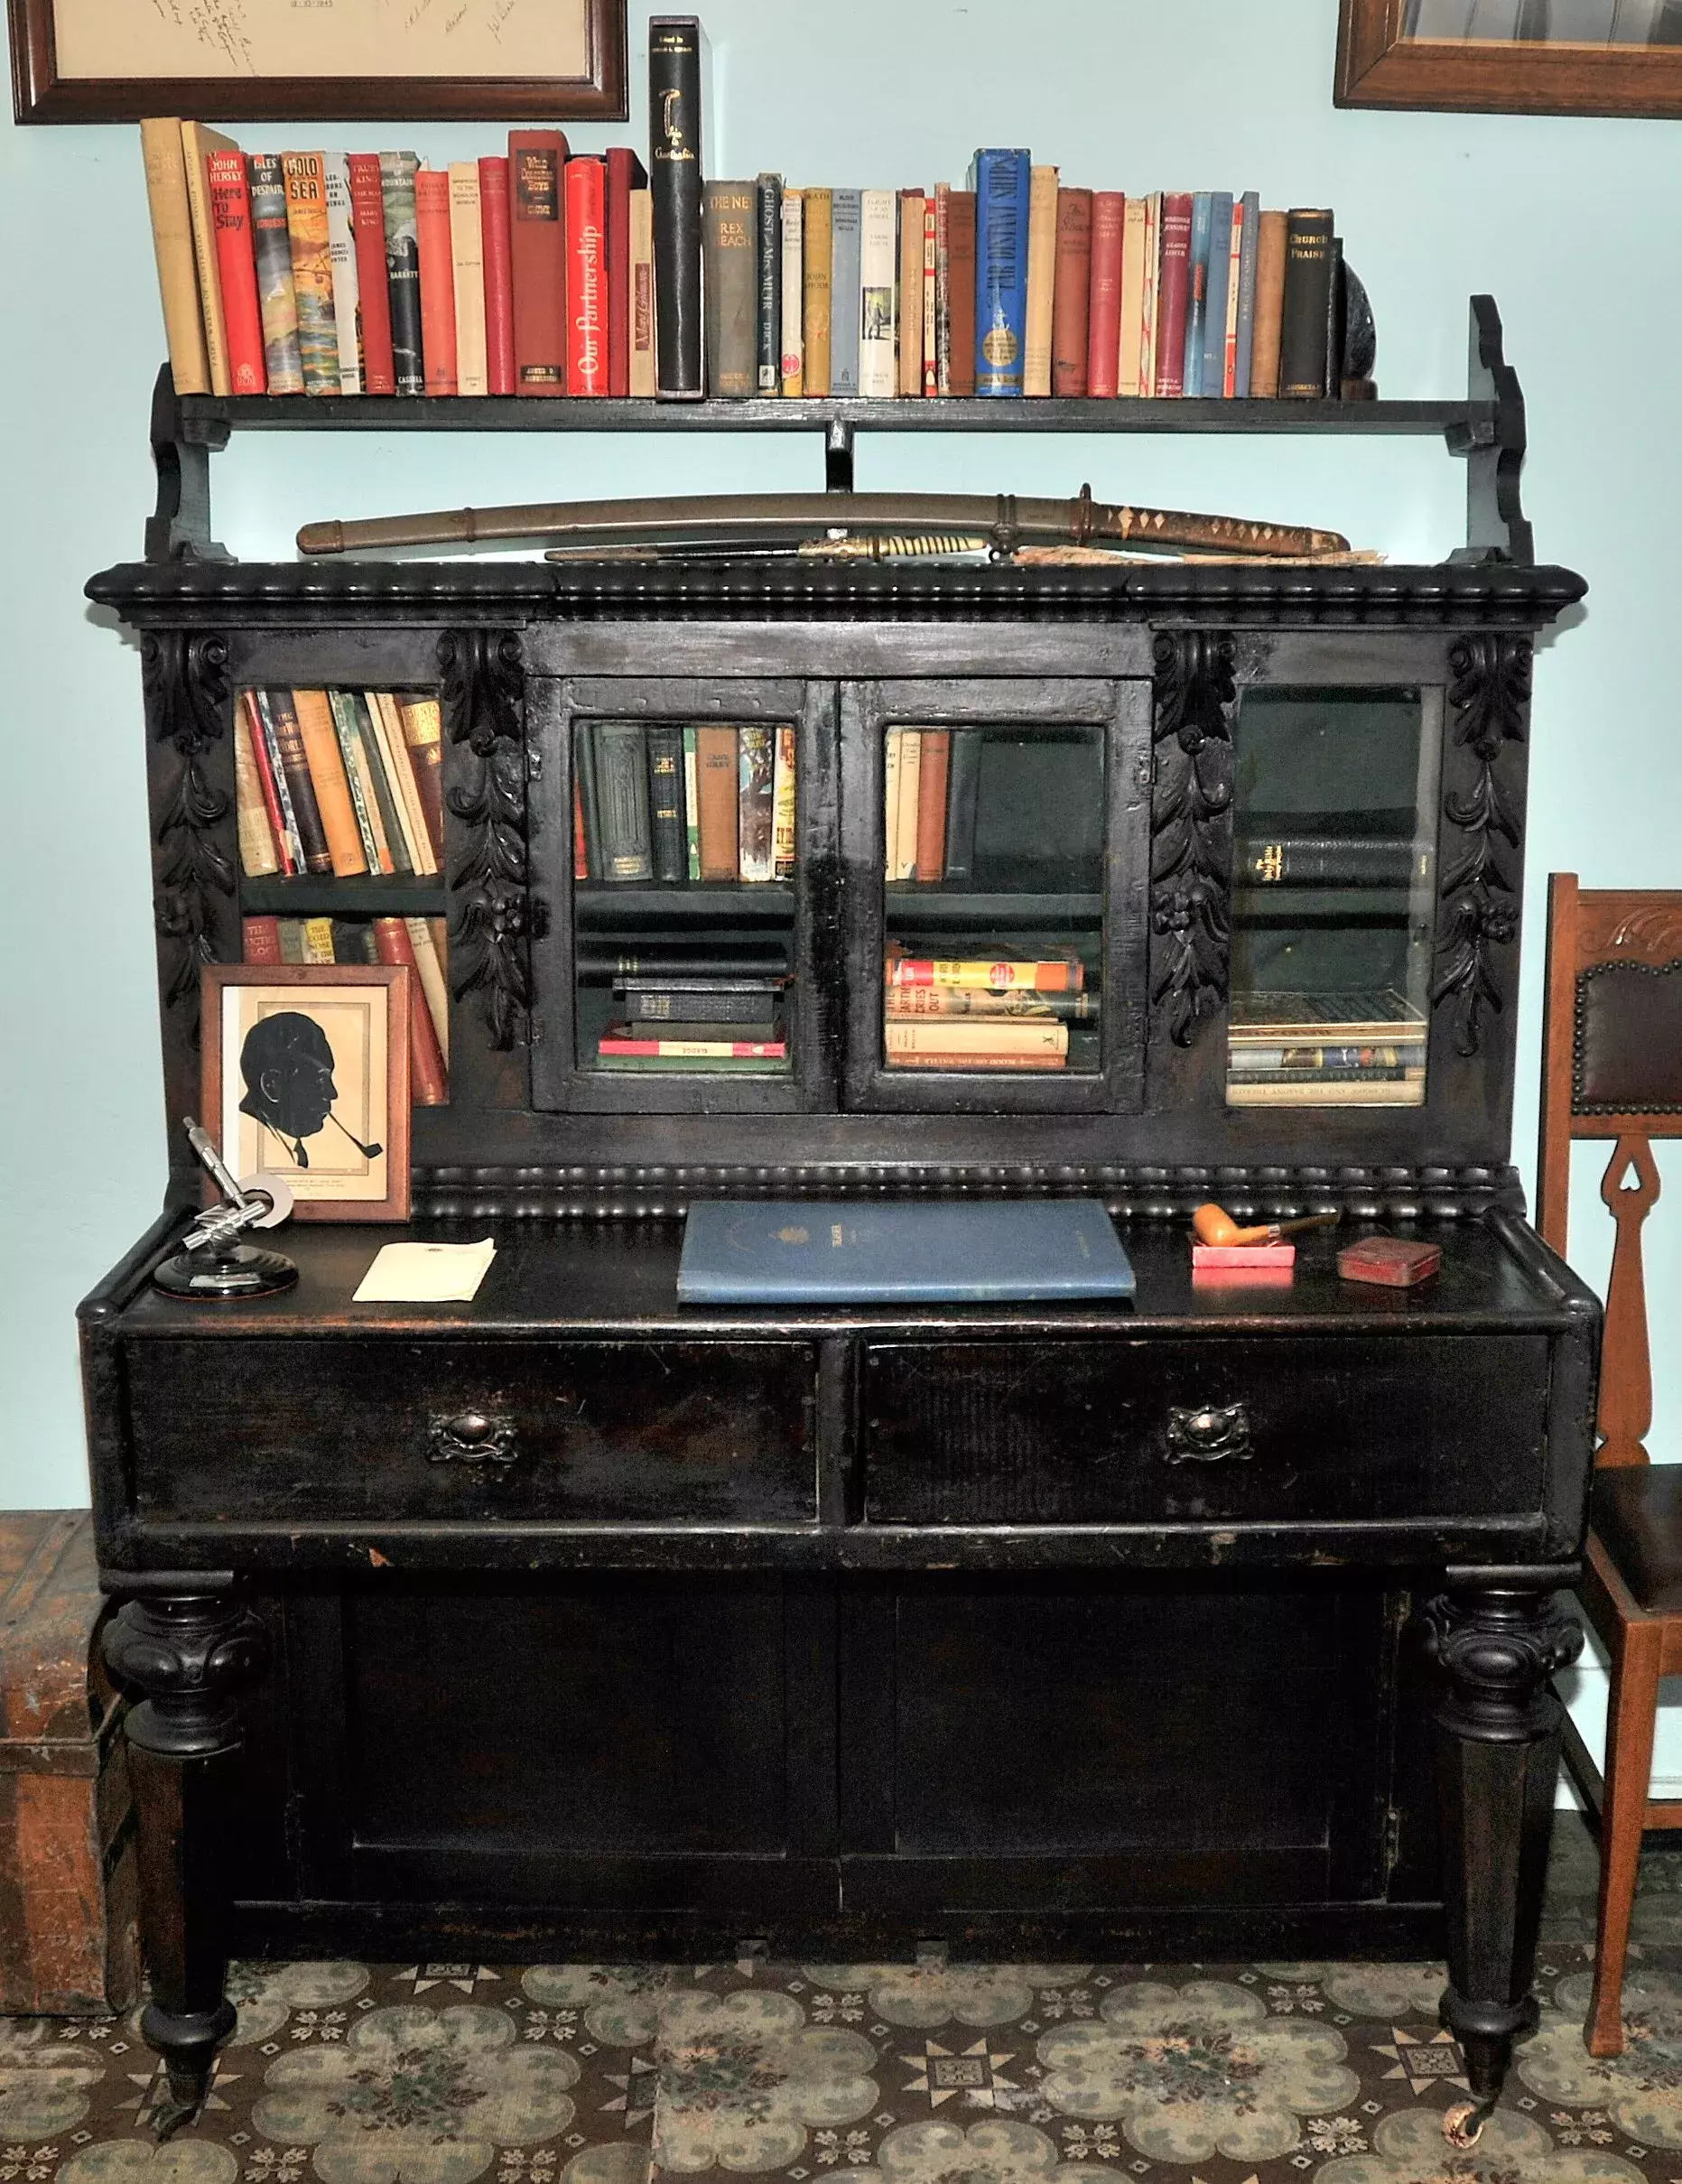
(844, 1251)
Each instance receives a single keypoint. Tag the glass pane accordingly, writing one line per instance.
(992, 857)
(1333, 895)
(683, 847)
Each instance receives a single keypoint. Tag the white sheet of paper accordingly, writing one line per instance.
(425, 1273)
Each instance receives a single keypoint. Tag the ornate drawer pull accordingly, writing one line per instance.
(1208, 1434)
(473, 1436)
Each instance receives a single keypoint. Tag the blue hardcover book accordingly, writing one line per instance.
(845, 296)
(1196, 294)
(772, 1251)
(1001, 236)
(1215, 290)
(1249, 242)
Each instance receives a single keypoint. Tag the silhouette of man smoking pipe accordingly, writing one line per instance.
(287, 1065)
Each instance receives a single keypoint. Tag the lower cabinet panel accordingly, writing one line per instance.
(895, 1756)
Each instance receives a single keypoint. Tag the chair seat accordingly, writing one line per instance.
(1636, 1512)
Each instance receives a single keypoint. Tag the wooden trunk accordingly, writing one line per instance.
(68, 1945)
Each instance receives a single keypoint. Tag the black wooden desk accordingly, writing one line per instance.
(571, 1618)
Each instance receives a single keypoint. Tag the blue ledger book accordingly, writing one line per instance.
(1250, 244)
(1198, 295)
(1215, 286)
(795, 1251)
(844, 292)
(1001, 241)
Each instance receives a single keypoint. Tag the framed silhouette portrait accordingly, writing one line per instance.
(306, 1076)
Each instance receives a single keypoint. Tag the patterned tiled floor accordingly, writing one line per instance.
(839, 2073)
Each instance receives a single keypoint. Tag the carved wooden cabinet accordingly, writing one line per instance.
(1005, 1628)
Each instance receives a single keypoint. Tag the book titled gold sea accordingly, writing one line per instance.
(312, 270)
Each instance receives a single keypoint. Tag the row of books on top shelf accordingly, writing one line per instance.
(421, 944)
(340, 781)
(1360, 1048)
(1017, 286)
(673, 803)
(288, 273)
(987, 1012)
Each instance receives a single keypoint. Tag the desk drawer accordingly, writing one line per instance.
(1293, 1429)
(340, 1431)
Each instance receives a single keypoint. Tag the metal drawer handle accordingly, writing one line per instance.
(1208, 1434)
(479, 1437)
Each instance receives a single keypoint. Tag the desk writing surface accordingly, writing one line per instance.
(621, 1276)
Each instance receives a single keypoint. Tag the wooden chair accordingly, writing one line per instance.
(1612, 1069)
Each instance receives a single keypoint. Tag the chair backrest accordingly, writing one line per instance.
(1612, 1067)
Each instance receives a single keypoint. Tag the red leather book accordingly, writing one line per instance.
(960, 287)
(537, 247)
(1174, 285)
(429, 1084)
(586, 190)
(236, 271)
(260, 940)
(493, 204)
(1071, 287)
(437, 279)
(368, 231)
(1103, 306)
(626, 172)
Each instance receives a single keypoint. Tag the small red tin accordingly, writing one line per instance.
(1389, 1260)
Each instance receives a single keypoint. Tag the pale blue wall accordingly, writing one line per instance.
(1569, 223)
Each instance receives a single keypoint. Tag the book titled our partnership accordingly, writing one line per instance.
(844, 1251)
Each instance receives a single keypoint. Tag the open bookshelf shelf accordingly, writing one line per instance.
(322, 895)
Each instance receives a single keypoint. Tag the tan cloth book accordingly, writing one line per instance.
(172, 241)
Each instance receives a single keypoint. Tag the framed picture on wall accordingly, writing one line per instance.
(306, 1076)
(351, 61)
(1511, 56)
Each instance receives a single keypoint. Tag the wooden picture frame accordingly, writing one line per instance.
(1381, 64)
(42, 31)
(365, 1069)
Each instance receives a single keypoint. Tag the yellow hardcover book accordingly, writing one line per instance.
(817, 258)
(318, 939)
(910, 311)
(783, 806)
(793, 361)
(906, 809)
(1130, 334)
(309, 233)
(1018, 1036)
(642, 292)
(257, 854)
(326, 777)
(429, 966)
(388, 723)
(467, 244)
(1153, 256)
(197, 141)
(1042, 268)
(892, 747)
(171, 240)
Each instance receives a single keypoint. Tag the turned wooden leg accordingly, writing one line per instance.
(191, 1655)
(1498, 1750)
(1632, 1705)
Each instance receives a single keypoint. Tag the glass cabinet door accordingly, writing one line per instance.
(1334, 896)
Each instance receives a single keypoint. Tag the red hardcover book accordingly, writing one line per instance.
(581, 841)
(587, 278)
(236, 271)
(537, 249)
(1071, 287)
(1173, 291)
(278, 828)
(368, 231)
(960, 287)
(437, 279)
(1103, 308)
(493, 206)
(260, 940)
(427, 1078)
(626, 172)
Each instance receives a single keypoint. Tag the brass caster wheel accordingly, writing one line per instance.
(1463, 2124)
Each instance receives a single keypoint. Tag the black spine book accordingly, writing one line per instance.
(589, 796)
(769, 281)
(622, 791)
(964, 781)
(1335, 322)
(667, 815)
(1307, 303)
(674, 156)
(698, 958)
(646, 1001)
(1348, 861)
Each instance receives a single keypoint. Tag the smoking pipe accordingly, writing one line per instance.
(1214, 1225)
